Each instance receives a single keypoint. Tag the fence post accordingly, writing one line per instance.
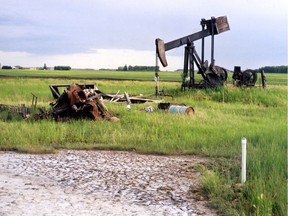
(243, 173)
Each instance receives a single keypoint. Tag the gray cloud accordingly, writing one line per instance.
(258, 34)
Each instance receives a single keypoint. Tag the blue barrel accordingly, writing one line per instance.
(181, 109)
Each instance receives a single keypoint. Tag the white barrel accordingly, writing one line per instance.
(181, 109)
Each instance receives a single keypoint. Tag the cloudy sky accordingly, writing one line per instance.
(109, 33)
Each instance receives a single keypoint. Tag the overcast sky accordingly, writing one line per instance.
(109, 33)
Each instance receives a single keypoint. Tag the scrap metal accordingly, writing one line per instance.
(21, 110)
(78, 101)
(93, 89)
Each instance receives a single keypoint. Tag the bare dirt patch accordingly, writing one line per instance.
(100, 183)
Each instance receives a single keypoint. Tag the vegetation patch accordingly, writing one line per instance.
(222, 117)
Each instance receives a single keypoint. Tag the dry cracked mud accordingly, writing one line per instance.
(100, 183)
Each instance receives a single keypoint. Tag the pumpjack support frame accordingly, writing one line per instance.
(212, 75)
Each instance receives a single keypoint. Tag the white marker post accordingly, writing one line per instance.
(243, 174)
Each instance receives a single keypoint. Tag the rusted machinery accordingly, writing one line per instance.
(212, 75)
(56, 92)
(245, 78)
(78, 101)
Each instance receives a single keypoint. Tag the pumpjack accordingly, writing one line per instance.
(212, 74)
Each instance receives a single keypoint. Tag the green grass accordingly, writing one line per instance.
(272, 79)
(222, 117)
(87, 74)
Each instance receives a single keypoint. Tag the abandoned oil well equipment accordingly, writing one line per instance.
(212, 75)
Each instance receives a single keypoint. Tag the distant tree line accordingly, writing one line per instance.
(62, 68)
(274, 69)
(138, 68)
(38, 68)
(6, 67)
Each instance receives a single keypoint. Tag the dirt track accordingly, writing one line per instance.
(100, 183)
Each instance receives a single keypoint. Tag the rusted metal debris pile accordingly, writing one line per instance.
(79, 102)
(85, 101)
(21, 110)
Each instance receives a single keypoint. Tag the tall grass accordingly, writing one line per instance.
(222, 117)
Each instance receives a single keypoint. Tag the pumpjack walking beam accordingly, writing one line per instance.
(210, 27)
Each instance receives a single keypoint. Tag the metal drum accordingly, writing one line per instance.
(181, 109)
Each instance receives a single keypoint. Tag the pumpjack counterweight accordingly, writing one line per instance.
(212, 75)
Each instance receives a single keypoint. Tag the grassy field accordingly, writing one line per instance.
(272, 79)
(222, 117)
(90, 74)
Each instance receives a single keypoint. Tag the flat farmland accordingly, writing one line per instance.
(222, 117)
(272, 79)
